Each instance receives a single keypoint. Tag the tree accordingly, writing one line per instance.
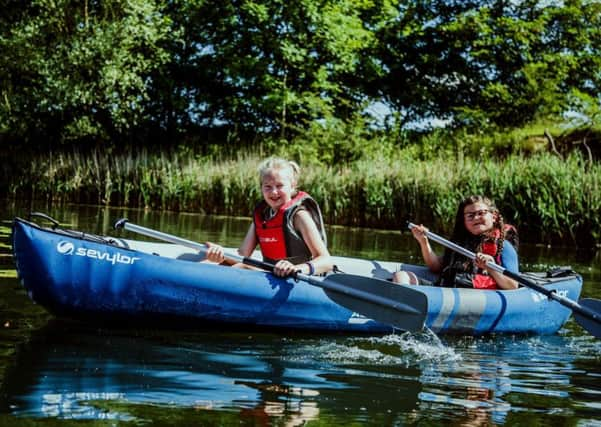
(271, 65)
(487, 62)
(79, 71)
(167, 70)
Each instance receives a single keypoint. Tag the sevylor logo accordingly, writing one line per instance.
(67, 248)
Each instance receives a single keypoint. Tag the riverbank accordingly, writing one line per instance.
(550, 198)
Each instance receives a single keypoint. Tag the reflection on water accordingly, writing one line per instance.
(68, 370)
(71, 371)
(64, 367)
(502, 377)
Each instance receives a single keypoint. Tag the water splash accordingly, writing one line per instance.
(395, 349)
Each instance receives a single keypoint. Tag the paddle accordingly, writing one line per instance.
(587, 311)
(388, 303)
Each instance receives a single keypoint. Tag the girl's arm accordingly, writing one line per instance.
(509, 261)
(433, 261)
(216, 254)
(248, 245)
(321, 259)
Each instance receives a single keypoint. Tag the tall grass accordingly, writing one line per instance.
(550, 199)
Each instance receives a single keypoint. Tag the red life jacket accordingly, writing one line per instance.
(481, 279)
(465, 274)
(277, 237)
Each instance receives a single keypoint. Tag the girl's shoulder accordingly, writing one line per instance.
(302, 214)
(509, 249)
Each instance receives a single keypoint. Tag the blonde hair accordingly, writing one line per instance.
(277, 163)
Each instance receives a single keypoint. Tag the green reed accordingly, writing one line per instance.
(549, 198)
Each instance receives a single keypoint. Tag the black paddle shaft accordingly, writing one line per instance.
(551, 294)
(374, 298)
(583, 311)
(396, 305)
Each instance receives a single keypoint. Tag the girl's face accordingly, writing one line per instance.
(277, 187)
(478, 218)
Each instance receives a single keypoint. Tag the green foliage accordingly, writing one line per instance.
(585, 110)
(333, 142)
(274, 65)
(549, 198)
(155, 71)
(482, 63)
(80, 72)
(298, 79)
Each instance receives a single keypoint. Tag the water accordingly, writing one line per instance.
(61, 373)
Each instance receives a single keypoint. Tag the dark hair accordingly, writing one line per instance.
(464, 238)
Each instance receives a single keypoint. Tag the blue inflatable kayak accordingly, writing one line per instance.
(106, 279)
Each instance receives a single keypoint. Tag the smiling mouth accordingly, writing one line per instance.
(478, 224)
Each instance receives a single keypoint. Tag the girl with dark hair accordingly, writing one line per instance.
(479, 227)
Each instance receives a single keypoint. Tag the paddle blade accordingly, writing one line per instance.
(591, 323)
(400, 306)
